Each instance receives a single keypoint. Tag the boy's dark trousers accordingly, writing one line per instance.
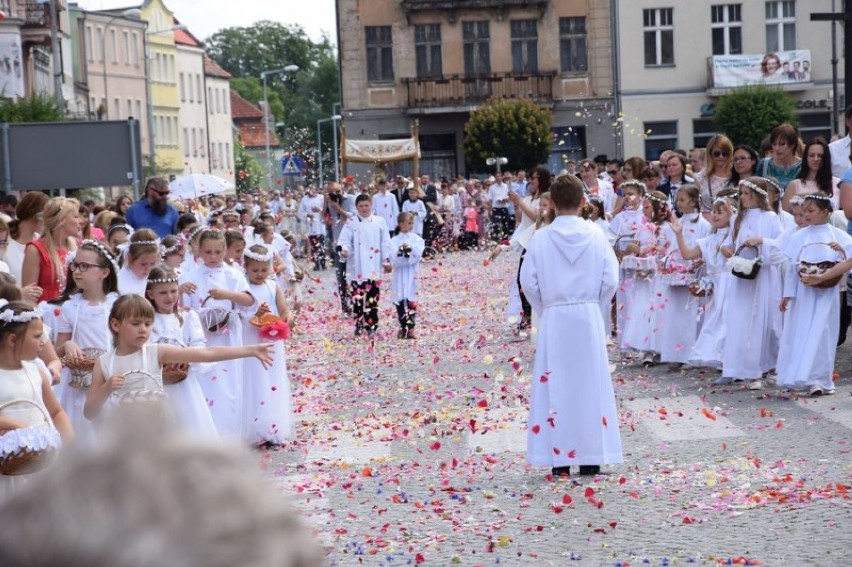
(365, 305)
(406, 312)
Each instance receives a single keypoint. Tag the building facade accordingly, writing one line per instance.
(672, 72)
(193, 103)
(437, 60)
(220, 127)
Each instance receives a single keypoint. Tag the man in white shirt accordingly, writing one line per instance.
(311, 215)
(520, 184)
(498, 205)
(839, 149)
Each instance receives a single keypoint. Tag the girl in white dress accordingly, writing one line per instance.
(83, 323)
(181, 327)
(679, 318)
(267, 405)
(221, 296)
(173, 252)
(131, 321)
(21, 340)
(141, 254)
(809, 341)
(752, 319)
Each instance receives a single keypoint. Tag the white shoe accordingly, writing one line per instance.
(755, 384)
(816, 391)
(722, 381)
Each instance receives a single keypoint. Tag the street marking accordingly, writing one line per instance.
(837, 408)
(681, 419)
(507, 431)
(349, 449)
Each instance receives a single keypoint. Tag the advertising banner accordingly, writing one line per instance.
(782, 67)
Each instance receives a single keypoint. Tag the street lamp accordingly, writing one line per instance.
(131, 13)
(334, 120)
(498, 161)
(263, 75)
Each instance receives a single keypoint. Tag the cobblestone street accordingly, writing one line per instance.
(412, 452)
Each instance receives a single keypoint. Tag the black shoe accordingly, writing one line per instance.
(589, 469)
(560, 472)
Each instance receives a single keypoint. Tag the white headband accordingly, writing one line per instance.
(103, 250)
(757, 189)
(169, 280)
(9, 316)
(775, 184)
(654, 198)
(266, 257)
(634, 183)
(817, 197)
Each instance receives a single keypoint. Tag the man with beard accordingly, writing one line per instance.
(154, 211)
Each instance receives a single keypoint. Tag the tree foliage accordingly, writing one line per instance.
(36, 108)
(248, 170)
(748, 114)
(517, 129)
(298, 99)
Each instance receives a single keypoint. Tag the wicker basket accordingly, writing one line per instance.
(701, 285)
(817, 268)
(81, 367)
(139, 387)
(25, 459)
(173, 373)
(214, 319)
(670, 275)
(744, 268)
(620, 253)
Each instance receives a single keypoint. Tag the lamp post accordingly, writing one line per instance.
(263, 75)
(132, 13)
(334, 120)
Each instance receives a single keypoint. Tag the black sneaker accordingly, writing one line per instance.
(560, 472)
(589, 469)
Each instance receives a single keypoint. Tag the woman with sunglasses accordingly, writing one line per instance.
(814, 176)
(716, 175)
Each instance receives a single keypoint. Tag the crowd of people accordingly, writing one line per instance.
(730, 258)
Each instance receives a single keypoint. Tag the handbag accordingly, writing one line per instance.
(744, 268)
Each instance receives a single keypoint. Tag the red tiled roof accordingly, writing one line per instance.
(242, 109)
(185, 37)
(253, 136)
(212, 69)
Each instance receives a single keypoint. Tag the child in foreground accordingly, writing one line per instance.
(569, 271)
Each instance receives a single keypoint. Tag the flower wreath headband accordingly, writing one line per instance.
(104, 251)
(125, 248)
(775, 184)
(169, 280)
(754, 187)
(266, 257)
(634, 183)
(816, 197)
(9, 316)
(654, 198)
(725, 201)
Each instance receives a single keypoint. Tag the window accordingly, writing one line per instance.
(139, 110)
(194, 144)
(727, 29)
(815, 124)
(427, 51)
(198, 91)
(659, 36)
(569, 143)
(202, 143)
(130, 108)
(126, 47)
(477, 48)
(186, 142)
(182, 89)
(524, 35)
(135, 49)
(702, 130)
(572, 45)
(379, 53)
(228, 155)
(659, 137)
(101, 44)
(89, 47)
(210, 100)
(117, 105)
(114, 43)
(780, 25)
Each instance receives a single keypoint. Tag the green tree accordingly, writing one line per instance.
(304, 96)
(37, 108)
(517, 129)
(749, 113)
(249, 174)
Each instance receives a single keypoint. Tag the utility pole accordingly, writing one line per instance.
(846, 18)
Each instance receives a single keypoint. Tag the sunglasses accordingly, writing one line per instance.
(720, 153)
(162, 193)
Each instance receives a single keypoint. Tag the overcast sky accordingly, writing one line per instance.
(205, 17)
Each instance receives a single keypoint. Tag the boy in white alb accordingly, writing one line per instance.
(406, 252)
(385, 205)
(416, 207)
(569, 270)
(363, 243)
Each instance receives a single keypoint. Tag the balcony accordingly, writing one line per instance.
(449, 7)
(457, 92)
(35, 17)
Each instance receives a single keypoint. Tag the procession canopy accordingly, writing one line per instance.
(379, 151)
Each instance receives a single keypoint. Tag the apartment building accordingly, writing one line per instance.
(437, 60)
(677, 58)
(220, 126)
(192, 116)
